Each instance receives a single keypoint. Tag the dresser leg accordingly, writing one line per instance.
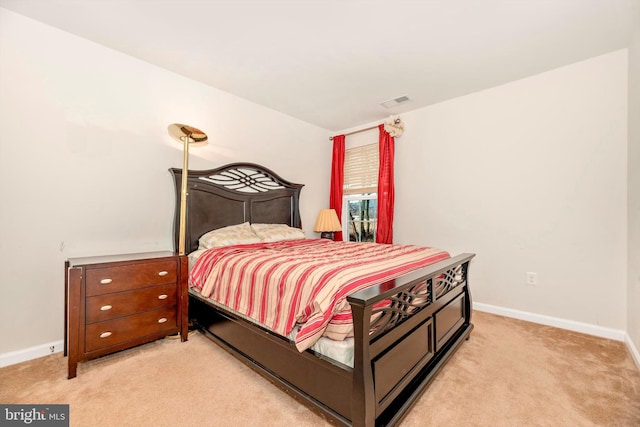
(72, 369)
(73, 312)
(66, 306)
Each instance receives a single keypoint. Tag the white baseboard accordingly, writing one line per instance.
(635, 354)
(13, 357)
(585, 328)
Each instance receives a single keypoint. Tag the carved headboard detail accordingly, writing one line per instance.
(233, 194)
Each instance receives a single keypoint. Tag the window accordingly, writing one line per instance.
(359, 216)
(360, 200)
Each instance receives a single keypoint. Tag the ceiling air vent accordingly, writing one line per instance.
(395, 101)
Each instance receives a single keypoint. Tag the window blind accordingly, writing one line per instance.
(361, 169)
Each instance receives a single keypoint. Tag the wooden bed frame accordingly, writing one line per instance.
(428, 319)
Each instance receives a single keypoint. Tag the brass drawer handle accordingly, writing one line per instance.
(105, 334)
(163, 273)
(106, 281)
(163, 296)
(162, 320)
(106, 307)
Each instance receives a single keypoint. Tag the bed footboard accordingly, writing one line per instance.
(400, 346)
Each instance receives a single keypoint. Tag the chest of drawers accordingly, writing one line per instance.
(117, 302)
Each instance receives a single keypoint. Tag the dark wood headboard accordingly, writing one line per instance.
(233, 194)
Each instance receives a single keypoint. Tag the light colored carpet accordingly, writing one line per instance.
(510, 373)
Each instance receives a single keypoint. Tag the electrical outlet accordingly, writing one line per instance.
(52, 348)
(532, 279)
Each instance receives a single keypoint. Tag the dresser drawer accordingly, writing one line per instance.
(110, 306)
(123, 329)
(126, 277)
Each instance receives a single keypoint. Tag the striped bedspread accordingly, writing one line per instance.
(302, 283)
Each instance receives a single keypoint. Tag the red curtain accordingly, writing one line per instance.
(384, 231)
(337, 180)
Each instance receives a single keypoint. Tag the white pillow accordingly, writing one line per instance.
(240, 234)
(277, 232)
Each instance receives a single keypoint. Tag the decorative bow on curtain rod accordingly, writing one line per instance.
(393, 125)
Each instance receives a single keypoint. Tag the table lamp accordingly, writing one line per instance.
(327, 223)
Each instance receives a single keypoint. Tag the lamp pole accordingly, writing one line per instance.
(187, 135)
(183, 193)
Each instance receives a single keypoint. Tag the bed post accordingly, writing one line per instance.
(363, 411)
(468, 305)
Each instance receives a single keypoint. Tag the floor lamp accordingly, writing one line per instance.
(187, 136)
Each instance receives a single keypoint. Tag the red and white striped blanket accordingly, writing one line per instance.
(302, 282)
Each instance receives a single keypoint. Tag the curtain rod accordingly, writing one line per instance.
(396, 121)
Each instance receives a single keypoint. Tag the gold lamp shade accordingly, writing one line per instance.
(327, 223)
(187, 136)
(181, 133)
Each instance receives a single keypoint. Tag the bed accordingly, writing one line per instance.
(404, 329)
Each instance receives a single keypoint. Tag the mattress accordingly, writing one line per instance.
(336, 351)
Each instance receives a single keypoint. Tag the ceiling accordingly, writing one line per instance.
(333, 62)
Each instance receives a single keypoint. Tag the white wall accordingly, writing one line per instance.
(84, 158)
(633, 290)
(532, 177)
